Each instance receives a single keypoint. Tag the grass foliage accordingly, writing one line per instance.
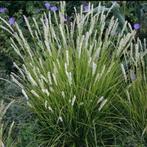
(85, 81)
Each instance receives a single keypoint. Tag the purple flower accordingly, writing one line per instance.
(11, 20)
(86, 8)
(53, 8)
(3, 10)
(47, 5)
(136, 26)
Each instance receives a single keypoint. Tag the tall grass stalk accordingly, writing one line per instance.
(5, 139)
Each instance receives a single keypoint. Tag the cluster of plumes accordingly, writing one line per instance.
(86, 8)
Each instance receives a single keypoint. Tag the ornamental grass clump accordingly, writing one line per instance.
(132, 105)
(75, 76)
